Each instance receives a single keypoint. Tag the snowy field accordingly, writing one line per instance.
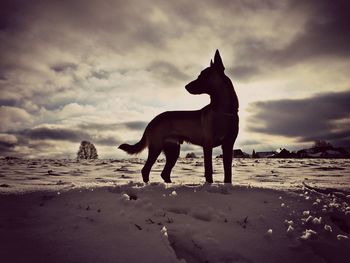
(21, 175)
(100, 211)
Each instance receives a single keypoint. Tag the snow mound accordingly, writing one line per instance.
(308, 233)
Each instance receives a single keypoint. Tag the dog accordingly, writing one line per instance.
(214, 125)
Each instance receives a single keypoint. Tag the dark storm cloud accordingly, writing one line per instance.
(7, 145)
(135, 125)
(250, 142)
(56, 134)
(118, 24)
(10, 12)
(130, 125)
(100, 74)
(2, 76)
(38, 33)
(29, 30)
(244, 72)
(63, 134)
(8, 102)
(326, 34)
(99, 126)
(6, 150)
(100, 20)
(64, 67)
(166, 71)
(325, 116)
(78, 26)
(108, 141)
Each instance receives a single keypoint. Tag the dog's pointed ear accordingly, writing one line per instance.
(218, 61)
(211, 63)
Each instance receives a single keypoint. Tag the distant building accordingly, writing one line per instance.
(238, 153)
(326, 151)
(321, 149)
(265, 154)
(283, 153)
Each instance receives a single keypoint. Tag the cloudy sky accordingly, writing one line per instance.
(101, 70)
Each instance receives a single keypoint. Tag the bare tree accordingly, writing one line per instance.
(87, 151)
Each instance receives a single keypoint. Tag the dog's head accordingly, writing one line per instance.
(208, 78)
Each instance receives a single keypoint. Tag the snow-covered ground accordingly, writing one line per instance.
(100, 211)
(21, 175)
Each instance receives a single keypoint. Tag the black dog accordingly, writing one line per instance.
(216, 124)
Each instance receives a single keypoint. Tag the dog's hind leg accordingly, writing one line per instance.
(153, 154)
(208, 165)
(227, 150)
(172, 152)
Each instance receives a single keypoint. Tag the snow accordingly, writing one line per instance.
(342, 237)
(164, 231)
(269, 232)
(25, 175)
(290, 229)
(308, 233)
(203, 212)
(173, 193)
(306, 213)
(288, 222)
(328, 228)
(317, 221)
(102, 212)
(308, 219)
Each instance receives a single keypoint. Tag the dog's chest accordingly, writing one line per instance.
(222, 127)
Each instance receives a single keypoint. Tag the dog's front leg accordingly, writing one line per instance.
(208, 166)
(227, 156)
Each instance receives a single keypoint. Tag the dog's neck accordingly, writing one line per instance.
(224, 99)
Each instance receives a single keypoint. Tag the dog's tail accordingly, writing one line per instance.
(136, 148)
